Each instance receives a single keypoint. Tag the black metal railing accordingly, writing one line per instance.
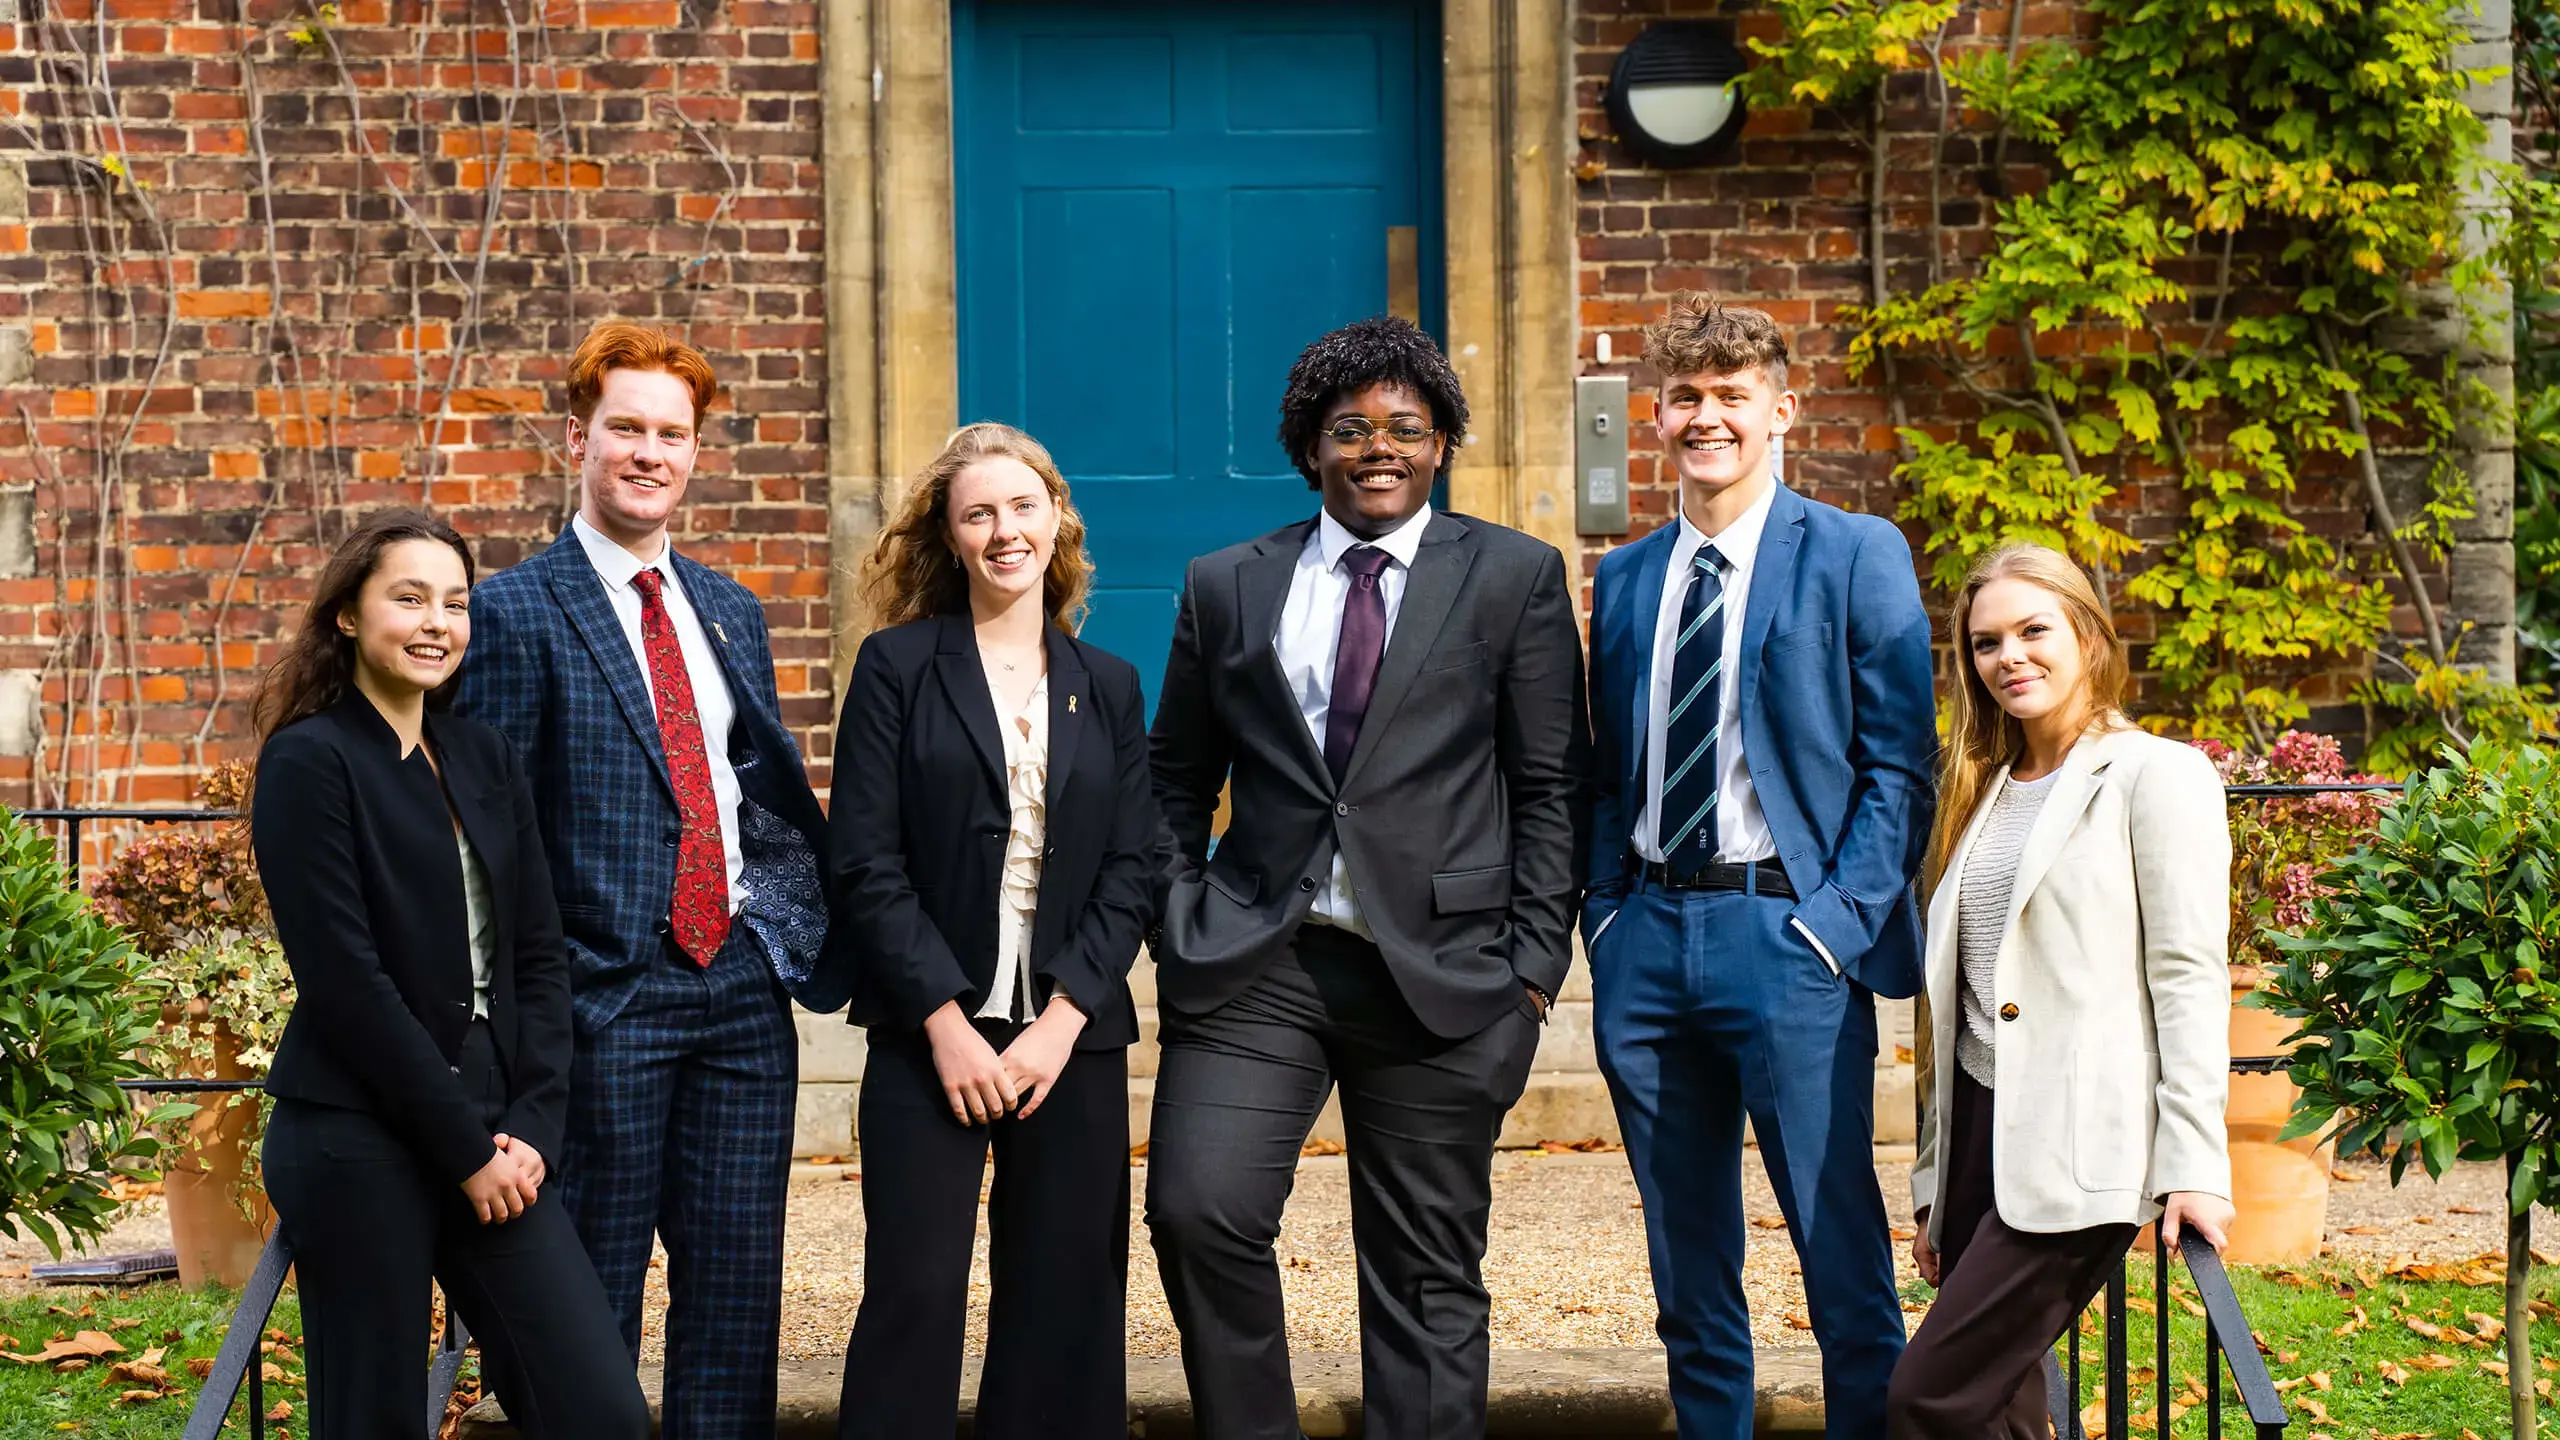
(72, 819)
(241, 1360)
(2227, 1337)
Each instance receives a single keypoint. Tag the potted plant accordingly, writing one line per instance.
(2279, 846)
(2427, 991)
(218, 985)
(68, 1033)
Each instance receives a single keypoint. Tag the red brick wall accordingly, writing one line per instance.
(1782, 225)
(647, 160)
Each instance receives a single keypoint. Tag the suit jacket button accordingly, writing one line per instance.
(1341, 809)
(1306, 882)
(2008, 1012)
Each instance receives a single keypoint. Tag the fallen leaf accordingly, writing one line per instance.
(2433, 1361)
(140, 1373)
(2362, 1230)
(2319, 1379)
(826, 1159)
(137, 1397)
(201, 1366)
(270, 1371)
(2345, 1177)
(1903, 1232)
(2189, 1305)
(2310, 1406)
(123, 1322)
(2488, 1327)
(1321, 1146)
(70, 1367)
(152, 1355)
(1772, 1222)
(283, 1411)
(2423, 1219)
(2467, 1209)
(2495, 1367)
(88, 1344)
(1798, 1322)
(2391, 1372)
(2432, 1332)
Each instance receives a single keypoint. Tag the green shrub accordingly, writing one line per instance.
(69, 1030)
(2428, 990)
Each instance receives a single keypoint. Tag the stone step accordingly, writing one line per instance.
(1586, 1394)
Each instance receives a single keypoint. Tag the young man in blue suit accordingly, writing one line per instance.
(686, 849)
(1761, 709)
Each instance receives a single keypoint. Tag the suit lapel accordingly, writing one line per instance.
(495, 843)
(964, 684)
(1439, 569)
(1637, 620)
(1772, 570)
(580, 591)
(1262, 590)
(1071, 705)
(2073, 788)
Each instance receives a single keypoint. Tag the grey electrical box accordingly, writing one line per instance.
(1600, 454)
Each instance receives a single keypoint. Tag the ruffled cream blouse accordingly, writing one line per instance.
(1026, 763)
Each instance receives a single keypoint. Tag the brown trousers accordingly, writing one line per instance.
(1976, 1369)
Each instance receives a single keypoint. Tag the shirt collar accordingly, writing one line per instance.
(1739, 543)
(1401, 543)
(615, 565)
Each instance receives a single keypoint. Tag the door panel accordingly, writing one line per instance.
(1159, 205)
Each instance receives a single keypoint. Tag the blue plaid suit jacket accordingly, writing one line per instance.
(551, 669)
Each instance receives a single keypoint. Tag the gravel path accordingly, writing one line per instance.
(1566, 1264)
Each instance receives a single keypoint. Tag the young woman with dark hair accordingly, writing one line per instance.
(421, 1081)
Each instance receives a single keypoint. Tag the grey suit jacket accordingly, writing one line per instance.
(1461, 810)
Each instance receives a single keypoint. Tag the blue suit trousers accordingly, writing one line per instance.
(680, 1119)
(1708, 1007)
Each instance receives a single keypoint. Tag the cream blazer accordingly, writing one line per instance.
(2112, 988)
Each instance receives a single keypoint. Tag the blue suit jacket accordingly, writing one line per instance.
(1839, 726)
(551, 669)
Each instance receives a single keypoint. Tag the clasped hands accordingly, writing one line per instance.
(505, 1187)
(981, 1084)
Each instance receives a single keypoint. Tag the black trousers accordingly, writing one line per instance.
(1976, 1369)
(369, 1227)
(1058, 1250)
(1237, 1091)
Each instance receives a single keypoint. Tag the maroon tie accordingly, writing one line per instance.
(1355, 656)
(700, 916)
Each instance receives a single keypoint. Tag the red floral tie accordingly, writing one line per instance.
(701, 913)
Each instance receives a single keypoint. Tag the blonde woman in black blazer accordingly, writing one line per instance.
(2079, 988)
(421, 1083)
(995, 851)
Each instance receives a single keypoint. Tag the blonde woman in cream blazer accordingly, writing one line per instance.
(2078, 987)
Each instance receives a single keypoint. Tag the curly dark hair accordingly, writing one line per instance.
(1363, 353)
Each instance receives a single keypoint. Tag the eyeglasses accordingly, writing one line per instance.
(1404, 437)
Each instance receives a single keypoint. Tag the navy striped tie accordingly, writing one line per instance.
(1686, 819)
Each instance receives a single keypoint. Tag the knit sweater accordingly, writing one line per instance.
(1982, 914)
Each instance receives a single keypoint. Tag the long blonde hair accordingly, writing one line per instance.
(1982, 737)
(912, 571)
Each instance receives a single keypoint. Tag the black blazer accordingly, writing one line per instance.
(355, 847)
(1461, 812)
(920, 815)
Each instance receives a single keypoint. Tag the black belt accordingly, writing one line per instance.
(1771, 877)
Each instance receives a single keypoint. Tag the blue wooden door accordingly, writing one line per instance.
(1159, 206)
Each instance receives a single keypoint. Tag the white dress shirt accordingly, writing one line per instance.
(1026, 786)
(479, 917)
(711, 699)
(1310, 627)
(1742, 832)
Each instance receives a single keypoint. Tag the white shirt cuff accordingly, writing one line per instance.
(1816, 942)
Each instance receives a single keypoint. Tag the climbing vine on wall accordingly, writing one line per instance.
(2225, 209)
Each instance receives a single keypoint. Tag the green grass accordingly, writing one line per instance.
(38, 1400)
(2295, 1315)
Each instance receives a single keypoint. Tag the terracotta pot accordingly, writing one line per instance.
(2281, 1187)
(216, 1223)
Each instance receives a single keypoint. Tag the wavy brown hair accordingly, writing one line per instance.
(913, 572)
(318, 666)
(1982, 737)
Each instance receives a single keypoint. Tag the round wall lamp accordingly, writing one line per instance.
(1671, 94)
